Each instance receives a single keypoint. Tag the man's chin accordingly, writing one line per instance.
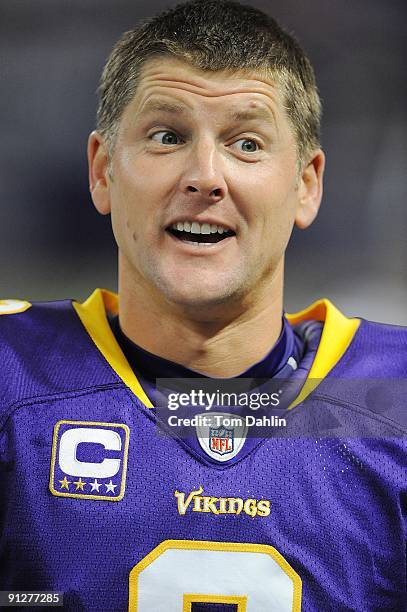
(202, 300)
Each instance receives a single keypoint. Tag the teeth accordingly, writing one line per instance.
(198, 228)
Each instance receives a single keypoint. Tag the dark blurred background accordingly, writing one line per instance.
(54, 245)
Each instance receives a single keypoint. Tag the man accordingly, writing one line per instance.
(205, 155)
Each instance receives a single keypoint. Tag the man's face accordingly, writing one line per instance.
(203, 152)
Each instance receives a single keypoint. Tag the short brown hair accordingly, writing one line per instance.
(214, 35)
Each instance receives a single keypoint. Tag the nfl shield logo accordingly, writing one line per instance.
(221, 440)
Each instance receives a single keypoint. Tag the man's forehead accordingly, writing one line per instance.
(167, 63)
(165, 85)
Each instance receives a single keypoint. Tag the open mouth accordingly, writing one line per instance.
(199, 233)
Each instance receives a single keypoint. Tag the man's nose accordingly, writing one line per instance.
(203, 176)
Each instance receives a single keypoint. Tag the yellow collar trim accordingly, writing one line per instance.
(92, 313)
(337, 335)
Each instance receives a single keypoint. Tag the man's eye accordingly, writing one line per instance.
(248, 145)
(165, 138)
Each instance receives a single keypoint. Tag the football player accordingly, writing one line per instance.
(121, 486)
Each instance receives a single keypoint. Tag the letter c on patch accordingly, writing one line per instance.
(68, 445)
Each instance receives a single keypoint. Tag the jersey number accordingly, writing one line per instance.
(180, 573)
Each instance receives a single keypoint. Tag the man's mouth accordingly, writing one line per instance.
(199, 233)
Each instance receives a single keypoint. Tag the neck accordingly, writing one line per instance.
(222, 344)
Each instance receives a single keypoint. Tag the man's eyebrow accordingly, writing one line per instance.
(162, 106)
(236, 116)
(253, 114)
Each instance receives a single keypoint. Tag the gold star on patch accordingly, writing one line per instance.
(65, 483)
(79, 484)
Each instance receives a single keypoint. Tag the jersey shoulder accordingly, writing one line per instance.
(45, 350)
(370, 382)
(360, 368)
(378, 350)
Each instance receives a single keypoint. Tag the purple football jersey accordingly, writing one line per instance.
(98, 504)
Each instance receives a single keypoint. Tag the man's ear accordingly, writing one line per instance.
(310, 190)
(98, 161)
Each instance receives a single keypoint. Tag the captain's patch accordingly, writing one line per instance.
(89, 460)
